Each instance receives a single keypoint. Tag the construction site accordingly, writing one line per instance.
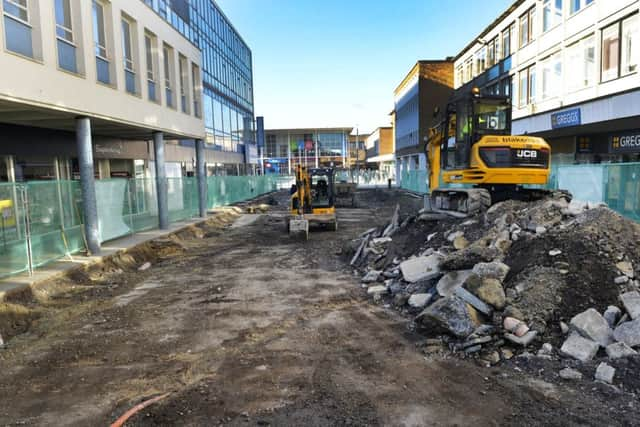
(524, 314)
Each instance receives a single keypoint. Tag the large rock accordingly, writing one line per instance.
(612, 315)
(631, 302)
(592, 325)
(628, 333)
(468, 257)
(570, 374)
(492, 270)
(620, 350)
(419, 300)
(372, 276)
(451, 315)
(488, 290)
(421, 268)
(579, 348)
(626, 268)
(451, 281)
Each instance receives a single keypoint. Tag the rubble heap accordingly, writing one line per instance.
(553, 276)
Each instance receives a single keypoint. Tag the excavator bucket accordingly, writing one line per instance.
(460, 202)
(299, 227)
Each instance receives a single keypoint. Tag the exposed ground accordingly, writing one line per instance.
(245, 327)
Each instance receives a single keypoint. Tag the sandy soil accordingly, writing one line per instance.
(247, 327)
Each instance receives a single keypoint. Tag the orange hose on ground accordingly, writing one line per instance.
(131, 412)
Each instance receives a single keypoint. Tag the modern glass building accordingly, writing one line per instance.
(227, 72)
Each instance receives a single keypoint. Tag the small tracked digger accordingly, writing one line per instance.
(473, 145)
(312, 201)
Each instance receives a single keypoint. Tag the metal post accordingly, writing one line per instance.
(88, 184)
(289, 152)
(161, 181)
(317, 145)
(202, 178)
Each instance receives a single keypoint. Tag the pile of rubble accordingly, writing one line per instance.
(553, 276)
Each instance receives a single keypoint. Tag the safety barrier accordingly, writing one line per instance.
(414, 180)
(41, 221)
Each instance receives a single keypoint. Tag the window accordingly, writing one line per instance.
(184, 83)
(581, 60)
(619, 49)
(99, 38)
(630, 45)
(527, 27)
(64, 36)
(149, 45)
(127, 49)
(493, 55)
(459, 75)
(468, 70)
(577, 5)
(551, 14)
(195, 78)
(552, 76)
(507, 36)
(481, 60)
(527, 86)
(168, 74)
(17, 28)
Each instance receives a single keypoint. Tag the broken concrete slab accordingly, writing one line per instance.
(492, 270)
(570, 374)
(419, 300)
(628, 333)
(460, 243)
(612, 315)
(372, 276)
(524, 340)
(620, 350)
(453, 236)
(621, 280)
(488, 290)
(605, 373)
(474, 301)
(145, 266)
(631, 303)
(579, 348)
(592, 325)
(421, 268)
(451, 281)
(467, 258)
(451, 315)
(377, 290)
(382, 241)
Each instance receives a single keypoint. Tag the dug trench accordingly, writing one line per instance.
(243, 326)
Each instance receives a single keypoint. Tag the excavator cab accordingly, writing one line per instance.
(472, 147)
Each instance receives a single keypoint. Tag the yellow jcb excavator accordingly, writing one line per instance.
(312, 201)
(473, 145)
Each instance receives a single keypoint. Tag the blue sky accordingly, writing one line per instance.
(326, 63)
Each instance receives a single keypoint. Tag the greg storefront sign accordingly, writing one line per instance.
(566, 119)
(627, 142)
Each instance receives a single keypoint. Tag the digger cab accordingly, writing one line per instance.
(313, 201)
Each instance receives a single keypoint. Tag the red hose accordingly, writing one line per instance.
(139, 407)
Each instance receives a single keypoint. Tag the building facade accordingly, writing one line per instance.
(571, 68)
(131, 67)
(286, 148)
(380, 149)
(426, 88)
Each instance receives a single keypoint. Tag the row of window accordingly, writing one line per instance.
(227, 66)
(619, 58)
(505, 44)
(178, 92)
(329, 145)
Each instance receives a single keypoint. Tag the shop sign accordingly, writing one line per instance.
(566, 118)
(626, 142)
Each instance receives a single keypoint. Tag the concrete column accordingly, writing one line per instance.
(201, 173)
(88, 184)
(161, 181)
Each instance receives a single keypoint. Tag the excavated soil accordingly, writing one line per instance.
(243, 326)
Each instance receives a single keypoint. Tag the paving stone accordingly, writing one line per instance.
(570, 374)
(605, 373)
(628, 333)
(579, 348)
(419, 300)
(631, 303)
(620, 350)
(592, 325)
(372, 276)
(612, 315)
(377, 290)
(451, 281)
(421, 268)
